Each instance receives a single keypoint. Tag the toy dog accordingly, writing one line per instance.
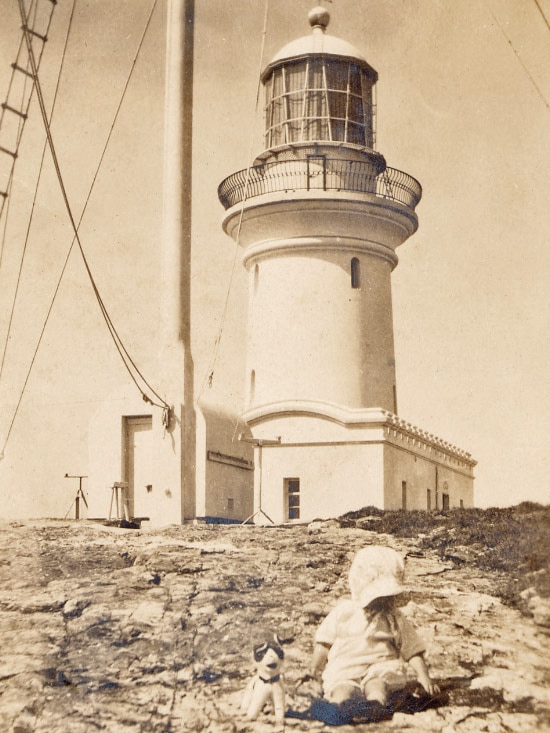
(267, 683)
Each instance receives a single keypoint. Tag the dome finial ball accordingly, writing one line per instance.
(319, 17)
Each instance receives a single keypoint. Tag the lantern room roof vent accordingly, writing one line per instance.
(318, 42)
(319, 18)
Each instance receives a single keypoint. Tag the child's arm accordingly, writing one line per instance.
(419, 665)
(319, 659)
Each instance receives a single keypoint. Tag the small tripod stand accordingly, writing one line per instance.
(78, 497)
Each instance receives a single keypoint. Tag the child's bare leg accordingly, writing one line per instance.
(343, 693)
(375, 689)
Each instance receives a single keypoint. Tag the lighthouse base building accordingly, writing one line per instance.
(327, 461)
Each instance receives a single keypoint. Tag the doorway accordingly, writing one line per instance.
(138, 463)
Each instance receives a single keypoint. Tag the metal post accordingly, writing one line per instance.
(176, 465)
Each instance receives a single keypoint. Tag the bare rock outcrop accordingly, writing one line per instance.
(134, 631)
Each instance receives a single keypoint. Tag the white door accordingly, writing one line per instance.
(139, 453)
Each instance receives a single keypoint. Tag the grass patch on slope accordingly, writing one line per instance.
(512, 541)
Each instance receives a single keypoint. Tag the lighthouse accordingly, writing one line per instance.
(319, 216)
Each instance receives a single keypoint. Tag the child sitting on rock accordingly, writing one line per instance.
(365, 647)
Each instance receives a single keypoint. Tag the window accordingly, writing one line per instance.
(403, 494)
(252, 386)
(230, 504)
(355, 273)
(462, 504)
(428, 499)
(292, 491)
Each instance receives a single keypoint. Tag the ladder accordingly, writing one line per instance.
(14, 111)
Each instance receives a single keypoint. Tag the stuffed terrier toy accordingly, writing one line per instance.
(267, 683)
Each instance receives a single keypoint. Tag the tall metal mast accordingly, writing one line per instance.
(176, 462)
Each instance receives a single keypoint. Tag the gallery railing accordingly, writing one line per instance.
(319, 174)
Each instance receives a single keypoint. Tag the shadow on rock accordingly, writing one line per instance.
(409, 701)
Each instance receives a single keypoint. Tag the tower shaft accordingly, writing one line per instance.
(320, 261)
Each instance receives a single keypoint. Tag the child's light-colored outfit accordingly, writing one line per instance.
(365, 646)
(365, 643)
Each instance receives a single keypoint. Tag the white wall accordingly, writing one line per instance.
(106, 458)
(334, 478)
(423, 469)
(224, 465)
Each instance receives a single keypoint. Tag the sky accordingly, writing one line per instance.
(463, 106)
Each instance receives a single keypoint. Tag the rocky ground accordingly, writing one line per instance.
(103, 628)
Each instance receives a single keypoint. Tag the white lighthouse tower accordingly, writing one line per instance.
(319, 216)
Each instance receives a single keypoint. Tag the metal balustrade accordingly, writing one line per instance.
(328, 175)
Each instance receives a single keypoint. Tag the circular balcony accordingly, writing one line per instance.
(319, 174)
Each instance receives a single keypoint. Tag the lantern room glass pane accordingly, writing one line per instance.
(315, 75)
(315, 129)
(355, 79)
(316, 104)
(338, 129)
(337, 75)
(278, 82)
(356, 134)
(355, 110)
(337, 102)
(277, 118)
(294, 77)
(295, 105)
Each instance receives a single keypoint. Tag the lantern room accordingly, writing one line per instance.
(319, 89)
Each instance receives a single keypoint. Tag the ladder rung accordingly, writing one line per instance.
(34, 33)
(16, 67)
(15, 111)
(8, 152)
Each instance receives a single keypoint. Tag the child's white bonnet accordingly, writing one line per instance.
(376, 572)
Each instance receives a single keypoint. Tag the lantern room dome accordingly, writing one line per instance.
(316, 43)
